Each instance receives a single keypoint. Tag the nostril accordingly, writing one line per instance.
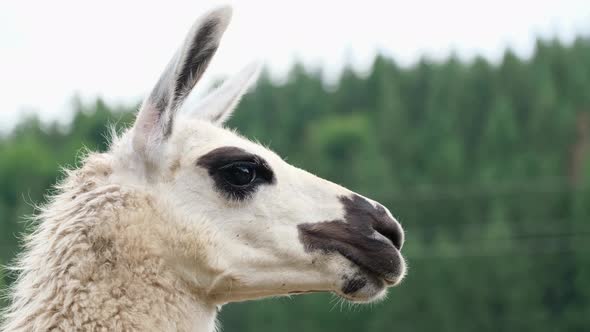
(387, 226)
(392, 230)
(370, 216)
(398, 239)
(393, 233)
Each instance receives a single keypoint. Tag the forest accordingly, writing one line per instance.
(486, 165)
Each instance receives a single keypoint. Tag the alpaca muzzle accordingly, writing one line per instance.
(367, 235)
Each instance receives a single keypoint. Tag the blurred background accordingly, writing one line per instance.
(469, 120)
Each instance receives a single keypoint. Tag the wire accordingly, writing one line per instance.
(441, 192)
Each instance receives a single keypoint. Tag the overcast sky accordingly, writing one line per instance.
(52, 50)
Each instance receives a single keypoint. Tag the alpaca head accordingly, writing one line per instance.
(263, 227)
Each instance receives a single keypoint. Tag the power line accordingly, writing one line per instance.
(494, 254)
(559, 247)
(546, 185)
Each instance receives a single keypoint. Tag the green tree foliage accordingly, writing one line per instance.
(486, 165)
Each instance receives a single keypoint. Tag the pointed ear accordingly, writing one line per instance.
(156, 116)
(218, 106)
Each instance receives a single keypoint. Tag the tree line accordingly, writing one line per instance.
(486, 166)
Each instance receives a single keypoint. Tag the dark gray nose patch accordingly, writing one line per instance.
(353, 237)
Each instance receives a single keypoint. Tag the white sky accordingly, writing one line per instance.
(52, 50)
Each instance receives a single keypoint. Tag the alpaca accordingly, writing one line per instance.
(181, 216)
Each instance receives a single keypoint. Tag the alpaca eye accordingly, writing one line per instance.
(236, 174)
(239, 174)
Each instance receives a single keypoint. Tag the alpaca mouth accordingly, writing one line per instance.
(372, 253)
(375, 272)
(380, 261)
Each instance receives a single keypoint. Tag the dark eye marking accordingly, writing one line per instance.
(237, 174)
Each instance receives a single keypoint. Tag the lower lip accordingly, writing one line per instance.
(386, 281)
(390, 282)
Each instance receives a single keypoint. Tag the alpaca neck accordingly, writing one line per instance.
(115, 295)
(93, 264)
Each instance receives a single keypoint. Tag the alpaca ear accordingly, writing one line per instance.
(155, 118)
(218, 105)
